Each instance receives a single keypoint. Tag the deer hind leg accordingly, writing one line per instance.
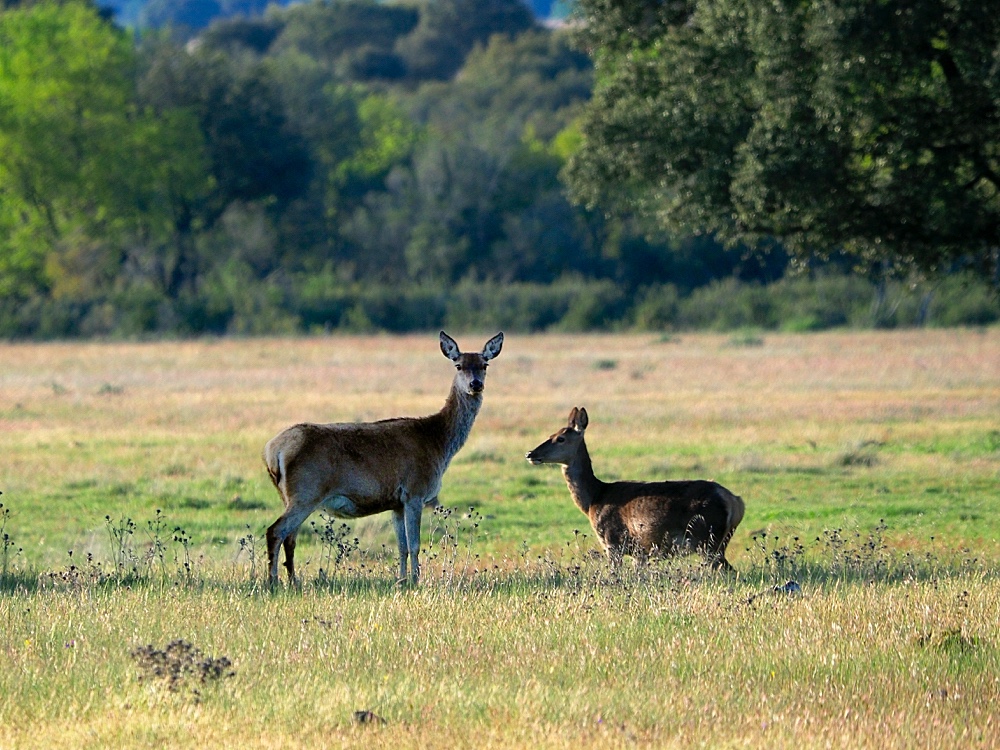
(617, 543)
(616, 561)
(721, 563)
(712, 544)
(700, 537)
(289, 545)
(641, 556)
(614, 548)
(282, 533)
(718, 553)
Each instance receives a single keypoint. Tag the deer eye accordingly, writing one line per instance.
(458, 367)
(560, 439)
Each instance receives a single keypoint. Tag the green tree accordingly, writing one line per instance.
(353, 135)
(232, 35)
(481, 196)
(871, 128)
(84, 173)
(449, 29)
(355, 38)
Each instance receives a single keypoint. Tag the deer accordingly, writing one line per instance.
(358, 469)
(642, 518)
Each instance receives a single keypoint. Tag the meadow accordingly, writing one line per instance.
(135, 501)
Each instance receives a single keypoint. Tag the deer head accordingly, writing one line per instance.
(561, 447)
(471, 367)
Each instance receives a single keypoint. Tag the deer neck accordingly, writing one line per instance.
(457, 417)
(583, 485)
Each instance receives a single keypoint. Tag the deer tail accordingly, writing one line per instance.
(275, 466)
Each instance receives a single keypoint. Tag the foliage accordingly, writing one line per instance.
(336, 165)
(356, 39)
(84, 171)
(832, 125)
(449, 29)
(232, 301)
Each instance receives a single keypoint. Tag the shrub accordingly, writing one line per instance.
(962, 301)
(656, 308)
(729, 304)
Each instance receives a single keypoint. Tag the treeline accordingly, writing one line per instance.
(345, 165)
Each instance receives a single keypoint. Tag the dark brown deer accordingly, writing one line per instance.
(358, 469)
(643, 518)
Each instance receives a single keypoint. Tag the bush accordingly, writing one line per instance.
(569, 304)
(323, 302)
(728, 305)
(656, 308)
(962, 301)
(593, 306)
(820, 303)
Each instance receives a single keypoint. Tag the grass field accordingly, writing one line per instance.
(135, 501)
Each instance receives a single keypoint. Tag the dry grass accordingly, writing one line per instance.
(518, 636)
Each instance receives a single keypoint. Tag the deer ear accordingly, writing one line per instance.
(449, 348)
(492, 347)
(573, 415)
(581, 419)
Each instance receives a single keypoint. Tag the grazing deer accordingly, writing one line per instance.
(357, 469)
(642, 518)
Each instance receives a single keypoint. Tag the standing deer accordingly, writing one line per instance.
(642, 518)
(357, 469)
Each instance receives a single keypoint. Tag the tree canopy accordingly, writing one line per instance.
(869, 128)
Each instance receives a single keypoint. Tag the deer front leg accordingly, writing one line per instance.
(615, 558)
(412, 511)
(614, 548)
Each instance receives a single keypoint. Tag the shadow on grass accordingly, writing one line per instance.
(341, 566)
(18, 582)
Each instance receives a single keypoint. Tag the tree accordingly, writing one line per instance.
(255, 153)
(871, 128)
(449, 29)
(231, 34)
(355, 38)
(481, 197)
(84, 172)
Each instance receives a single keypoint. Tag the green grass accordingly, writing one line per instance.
(134, 516)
